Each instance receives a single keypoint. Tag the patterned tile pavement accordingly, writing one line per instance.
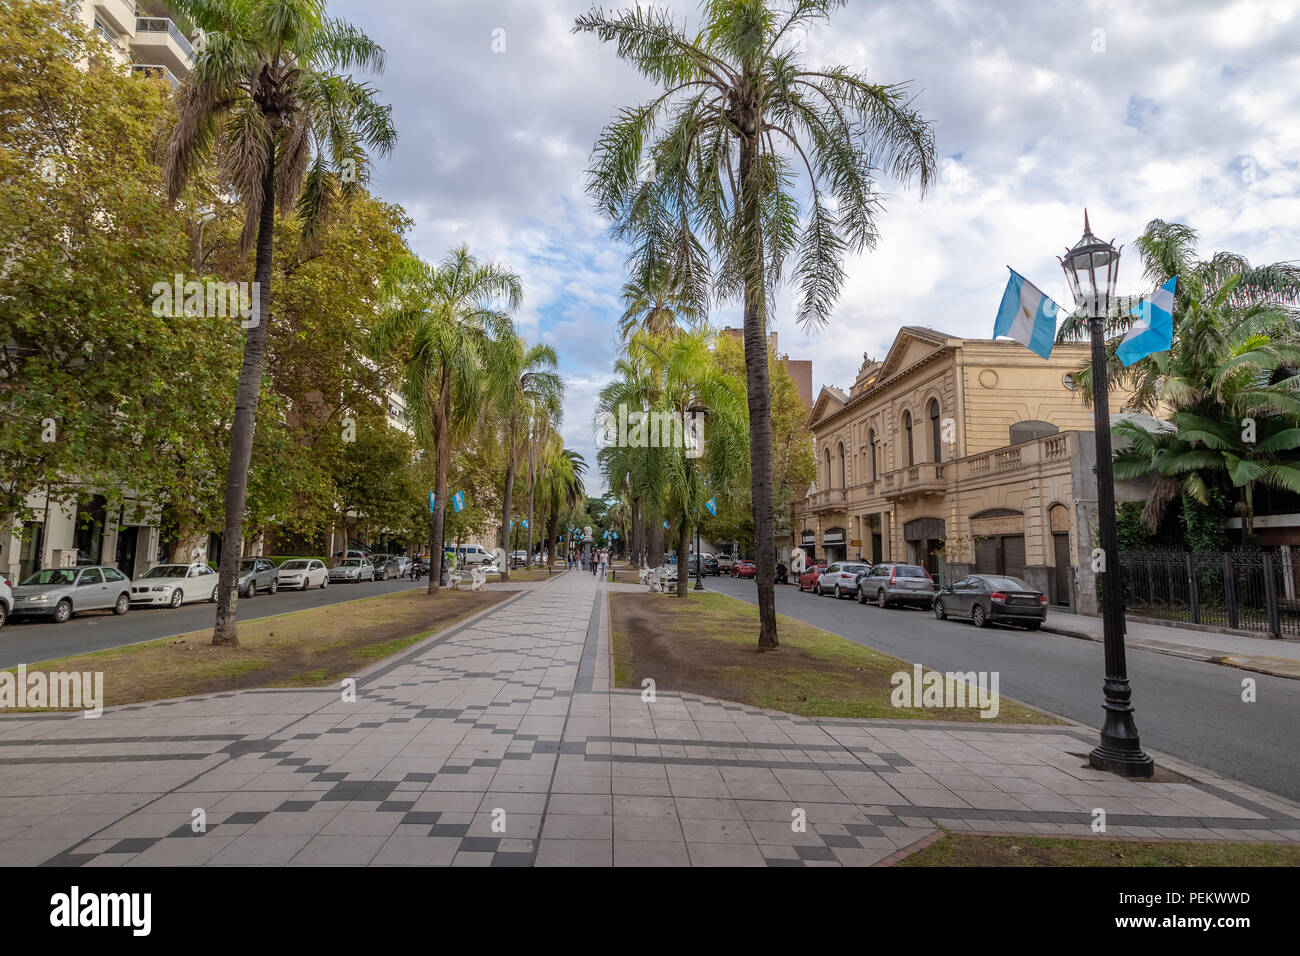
(500, 743)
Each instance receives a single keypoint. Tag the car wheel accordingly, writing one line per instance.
(977, 616)
(881, 600)
(838, 593)
(3, 614)
(178, 598)
(63, 611)
(275, 586)
(939, 611)
(214, 595)
(325, 582)
(251, 591)
(1034, 625)
(862, 596)
(123, 604)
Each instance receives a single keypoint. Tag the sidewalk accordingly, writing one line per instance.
(1280, 658)
(500, 742)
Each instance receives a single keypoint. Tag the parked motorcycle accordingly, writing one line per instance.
(782, 574)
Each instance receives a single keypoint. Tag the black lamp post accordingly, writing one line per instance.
(699, 556)
(1091, 268)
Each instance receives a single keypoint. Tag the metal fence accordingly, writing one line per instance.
(1245, 590)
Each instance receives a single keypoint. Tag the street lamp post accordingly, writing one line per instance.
(699, 558)
(1091, 268)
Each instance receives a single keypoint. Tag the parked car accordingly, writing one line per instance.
(386, 566)
(744, 569)
(62, 592)
(303, 573)
(725, 561)
(992, 597)
(841, 578)
(175, 584)
(710, 566)
(808, 580)
(469, 554)
(257, 574)
(6, 600)
(890, 584)
(403, 565)
(353, 569)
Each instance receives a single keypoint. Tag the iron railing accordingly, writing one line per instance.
(1244, 590)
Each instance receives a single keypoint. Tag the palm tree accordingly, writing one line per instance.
(655, 303)
(543, 441)
(442, 325)
(739, 123)
(529, 386)
(562, 491)
(292, 131)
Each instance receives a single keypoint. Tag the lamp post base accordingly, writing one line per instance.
(1120, 750)
(1123, 762)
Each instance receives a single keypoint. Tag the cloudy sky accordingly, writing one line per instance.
(1185, 110)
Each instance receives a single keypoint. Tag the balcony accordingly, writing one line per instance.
(824, 501)
(118, 15)
(1048, 450)
(158, 40)
(917, 481)
(156, 71)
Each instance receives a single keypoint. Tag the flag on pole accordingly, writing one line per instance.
(432, 498)
(458, 501)
(1154, 329)
(523, 523)
(712, 505)
(1027, 315)
(667, 526)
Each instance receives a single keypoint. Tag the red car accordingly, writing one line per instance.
(744, 569)
(808, 580)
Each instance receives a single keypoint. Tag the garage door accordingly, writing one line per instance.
(1001, 554)
(1061, 578)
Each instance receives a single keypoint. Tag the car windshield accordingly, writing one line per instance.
(1007, 584)
(167, 571)
(351, 563)
(52, 576)
(293, 565)
(854, 568)
(247, 565)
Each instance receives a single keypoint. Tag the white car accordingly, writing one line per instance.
(172, 585)
(6, 601)
(303, 573)
(353, 569)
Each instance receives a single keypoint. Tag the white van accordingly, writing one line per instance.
(470, 554)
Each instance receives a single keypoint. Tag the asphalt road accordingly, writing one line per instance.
(1184, 708)
(28, 640)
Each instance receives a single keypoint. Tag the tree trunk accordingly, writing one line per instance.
(656, 542)
(442, 465)
(528, 562)
(225, 631)
(505, 507)
(683, 555)
(757, 387)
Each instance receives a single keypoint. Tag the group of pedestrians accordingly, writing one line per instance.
(597, 562)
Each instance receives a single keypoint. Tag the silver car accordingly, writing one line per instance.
(62, 592)
(257, 574)
(353, 569)
(891, 584)
(304, 573)
(6, 600)
(171, 585)
(841, 578)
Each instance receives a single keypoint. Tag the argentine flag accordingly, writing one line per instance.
(1154, 329)
(458, 501)
(712, 505)
(1027, 315)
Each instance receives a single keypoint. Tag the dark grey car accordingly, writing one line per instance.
(992, 597)
(257, 574)
(892, 584)
(386, 566)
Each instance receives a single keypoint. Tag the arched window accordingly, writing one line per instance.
(844, 483)
(828, 470)
(871, 441)
(935, 441)
(907, 427)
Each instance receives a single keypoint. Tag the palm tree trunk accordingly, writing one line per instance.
(225, 631)
(506, 500)
(757, 391)
(529, 560)
(442, 465)
(656, 543)
(552, 532)
(683, 554)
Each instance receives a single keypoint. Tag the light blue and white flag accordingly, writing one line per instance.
(712, 505)
(432, 498)
(1027, 315)
(458, 502)
(1154, 329)
(667, 526)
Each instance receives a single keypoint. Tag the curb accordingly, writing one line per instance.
(1186, 653)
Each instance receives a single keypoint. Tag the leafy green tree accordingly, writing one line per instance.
(720, 152)
(443, 328)
(292, 130)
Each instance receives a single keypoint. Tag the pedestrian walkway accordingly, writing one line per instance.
(500, 743)
(1262, 654)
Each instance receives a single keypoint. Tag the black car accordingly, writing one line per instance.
(992, 597)
(710, 566)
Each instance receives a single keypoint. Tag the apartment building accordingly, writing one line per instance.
(961, 455)
(144, 35)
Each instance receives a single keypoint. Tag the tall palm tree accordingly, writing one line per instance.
(739, 124)
(562, 491)
(444, 328)
(656, 303)
(291, 129)
(530, 386)
(543, 442)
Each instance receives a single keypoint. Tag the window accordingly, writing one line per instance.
(871, 441)
(828, 469)
(843, 473)
(907, 427)
(935, 439)
(111, 574)
(91, 576)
